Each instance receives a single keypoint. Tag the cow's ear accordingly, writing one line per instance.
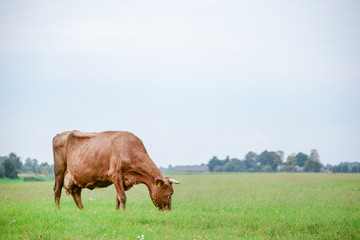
(159, 182)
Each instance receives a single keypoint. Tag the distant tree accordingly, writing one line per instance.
(301, 159)
(44, 168)
(281, 155)
(328, 166)
(35, 166)
(16, 160)
(256, 168)
(266, 162)
(278, 159)
(229, 167)
(313, 163)
(264, 158)
(242, 166)
(31, 165)
(52, 167)
(356, 169)
(341, 168)
(10, 168)
(2, 171)
(239, 166)
(344, 168)
(227, 159)
(218, 168)
(335, 169)
(271, 159)
(266, 168)
(2, 158)
(311, 166)
(250, 160)
(314, 155)
(28, 165)
(213, 162)
(290, 164)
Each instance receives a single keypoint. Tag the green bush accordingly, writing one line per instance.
(266, 168)
(33, 179)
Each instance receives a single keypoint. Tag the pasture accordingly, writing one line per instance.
(205, 206)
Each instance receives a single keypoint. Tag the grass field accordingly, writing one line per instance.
(210, 206)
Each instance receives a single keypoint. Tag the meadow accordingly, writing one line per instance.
(205, 206)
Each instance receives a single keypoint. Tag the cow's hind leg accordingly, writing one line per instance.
(121, 197)
(59, 182)
(76, 194)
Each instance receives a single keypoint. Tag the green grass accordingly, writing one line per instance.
(28, 178)
(214, 206)
(8, 180)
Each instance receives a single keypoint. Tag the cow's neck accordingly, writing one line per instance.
(148, 178)
(150, 182)
(148, 174)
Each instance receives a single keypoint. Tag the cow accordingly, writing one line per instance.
(97, 160)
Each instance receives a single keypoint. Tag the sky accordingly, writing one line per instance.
(192, 79)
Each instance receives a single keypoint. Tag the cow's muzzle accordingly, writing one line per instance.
(166, 206)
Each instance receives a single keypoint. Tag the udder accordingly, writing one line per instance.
(69, 182)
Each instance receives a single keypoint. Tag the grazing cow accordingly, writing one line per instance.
(96, 160)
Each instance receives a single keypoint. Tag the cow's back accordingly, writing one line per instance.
(91, 156)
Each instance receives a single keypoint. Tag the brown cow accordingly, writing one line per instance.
(95, 160)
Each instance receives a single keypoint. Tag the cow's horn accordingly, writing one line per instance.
(173, 181)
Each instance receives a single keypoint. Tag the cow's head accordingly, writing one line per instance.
(162, 192)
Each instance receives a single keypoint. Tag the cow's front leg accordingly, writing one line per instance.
(121, 197)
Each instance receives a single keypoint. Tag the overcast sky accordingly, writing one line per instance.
(192, 79)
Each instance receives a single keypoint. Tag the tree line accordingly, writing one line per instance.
(11, 166)
(268, 161)
(345, 167)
